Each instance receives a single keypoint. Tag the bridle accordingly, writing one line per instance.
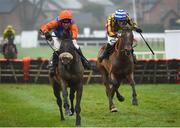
(121, 39)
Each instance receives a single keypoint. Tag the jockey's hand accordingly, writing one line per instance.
(138, 30)
(41, 32)
(114, 40)
(48, 36)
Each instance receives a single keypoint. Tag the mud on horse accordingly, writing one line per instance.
(117, 67)
(69, 73)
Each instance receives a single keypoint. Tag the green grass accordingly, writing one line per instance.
(35, 105)
(89, 52)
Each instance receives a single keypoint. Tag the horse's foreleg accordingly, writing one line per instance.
(132, 83)
(65, 96)
(56, 90)
(110, 94)
(71, 97)
(113, 89)
(78, 107)
(112, 107)
(105, 80)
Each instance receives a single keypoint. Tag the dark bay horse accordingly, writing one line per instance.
(9, 50)
(117, 67)
(69, 73)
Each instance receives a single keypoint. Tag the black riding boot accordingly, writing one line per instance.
(53, 63)
(83, 59)
(106, 53)
(134, 57)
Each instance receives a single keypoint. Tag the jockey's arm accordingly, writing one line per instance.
(109, 25)
(131, 23)
(74, 30)
(49, 26)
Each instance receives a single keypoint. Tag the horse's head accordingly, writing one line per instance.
(10, 51)
(125, 41)
(67, 52)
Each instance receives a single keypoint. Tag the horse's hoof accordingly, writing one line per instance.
(68, 112)
(134, 102)
(113, 109)
(78, 123)
(71, 114)
(121, 98)
(62, 118)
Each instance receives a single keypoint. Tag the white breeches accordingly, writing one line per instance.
(112, 40)
(57, 43)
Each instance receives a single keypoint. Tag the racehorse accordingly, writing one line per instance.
(117, 67)
(9, 50)
(69, 73)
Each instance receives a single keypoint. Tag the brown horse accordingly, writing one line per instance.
(69, 73)
(117, 67)
(9, 50)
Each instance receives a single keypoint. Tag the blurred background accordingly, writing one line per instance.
(153, 16)
(27, 101)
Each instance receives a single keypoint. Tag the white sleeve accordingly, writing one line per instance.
(75, 43)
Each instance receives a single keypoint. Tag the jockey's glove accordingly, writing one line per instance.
(113, 40)
(138, 30)
(48, 36)
(41, 32)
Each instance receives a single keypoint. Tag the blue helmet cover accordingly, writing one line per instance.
(120, 15)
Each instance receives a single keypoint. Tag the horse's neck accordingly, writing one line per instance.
(119, 46)
(119, 56)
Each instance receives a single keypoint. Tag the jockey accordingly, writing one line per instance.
(9, 34)
(63, 23)
(116, 22)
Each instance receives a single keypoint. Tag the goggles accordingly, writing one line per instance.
(66, 21)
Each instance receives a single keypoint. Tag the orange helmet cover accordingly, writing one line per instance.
(65, 14)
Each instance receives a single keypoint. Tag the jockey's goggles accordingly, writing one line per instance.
(66, 21)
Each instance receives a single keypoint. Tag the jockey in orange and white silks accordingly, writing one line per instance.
(114, 23)
(62, 23)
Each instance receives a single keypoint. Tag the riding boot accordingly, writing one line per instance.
(53, 63)
(106, 53)
(134, 57)
(84, 61)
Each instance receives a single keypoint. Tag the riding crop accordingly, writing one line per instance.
(51, 47)
(49, 44)
(147, 43)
